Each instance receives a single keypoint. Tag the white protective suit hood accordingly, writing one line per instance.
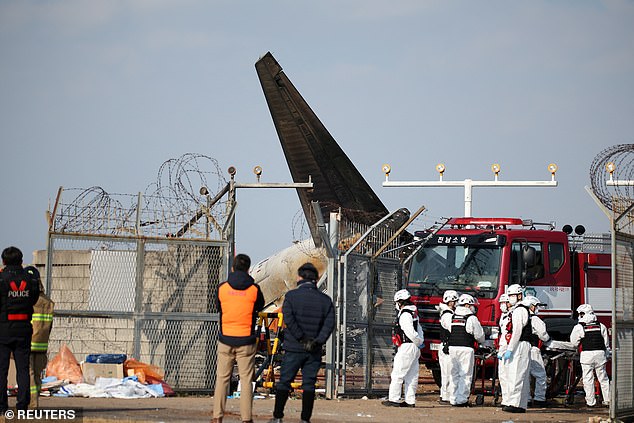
(588, 318)
(463, 311)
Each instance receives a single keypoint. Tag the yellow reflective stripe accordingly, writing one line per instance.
(42, 317)
(35, 389)
(39, 346)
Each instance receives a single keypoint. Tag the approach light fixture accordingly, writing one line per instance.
(440, 168)
(552, 168)
(232, 171)
(610, 167)
(495, 168)
(386, 169)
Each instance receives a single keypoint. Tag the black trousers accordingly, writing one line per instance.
(21, 349)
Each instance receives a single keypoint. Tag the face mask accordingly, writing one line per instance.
(536, 311)
(513, 299)
(473, 309)
(504, 307)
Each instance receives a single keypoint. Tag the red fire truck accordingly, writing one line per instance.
(482, 256)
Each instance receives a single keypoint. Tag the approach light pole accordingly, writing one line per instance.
(468, 184)
(229, 229)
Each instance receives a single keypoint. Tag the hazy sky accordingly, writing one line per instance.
(103, 92)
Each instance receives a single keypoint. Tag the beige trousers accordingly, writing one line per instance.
(244, 356)
(38, 364)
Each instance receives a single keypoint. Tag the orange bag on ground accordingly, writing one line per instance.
(147, 369)
(65, 366)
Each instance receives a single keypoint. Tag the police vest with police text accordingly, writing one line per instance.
(592, 339)
(19, 290)
(459, 337)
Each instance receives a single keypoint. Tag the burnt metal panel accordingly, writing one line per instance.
(310, 150)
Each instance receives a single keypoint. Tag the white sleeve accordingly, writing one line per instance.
(474, 327)
(606, 337)
(539, 328)
(445, 321)
(576, 335)
(407, 325)
(519, 317)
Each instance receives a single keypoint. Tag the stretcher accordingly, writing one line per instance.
(482, 355)
(563, 369)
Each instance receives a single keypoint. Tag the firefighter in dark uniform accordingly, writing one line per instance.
(19, 291)
(594, 340)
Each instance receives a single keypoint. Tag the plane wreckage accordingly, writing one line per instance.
(312, 153)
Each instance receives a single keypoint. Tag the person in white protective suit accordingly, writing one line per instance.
(446, 309)
(466, 331)
(595, 344)
(516, 357)
(539, 336)
(408, 337)
(502, 344)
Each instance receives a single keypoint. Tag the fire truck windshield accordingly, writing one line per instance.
(468, 264)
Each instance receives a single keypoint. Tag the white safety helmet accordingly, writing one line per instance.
(401, 295)
(515, 289)
(504, 300)
(585, 308)
(530, 300)
(449, 295)
(586, 313)
(467, 300)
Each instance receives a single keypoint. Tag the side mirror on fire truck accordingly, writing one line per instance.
(529, 256)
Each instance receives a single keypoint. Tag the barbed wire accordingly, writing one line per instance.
(618, 197)
(169, 204)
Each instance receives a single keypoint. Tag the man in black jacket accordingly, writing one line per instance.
(19, 290)
(310, 318)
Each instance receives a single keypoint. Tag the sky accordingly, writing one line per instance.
(101, 93)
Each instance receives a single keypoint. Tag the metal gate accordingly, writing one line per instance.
(368, 316)
(369, 273)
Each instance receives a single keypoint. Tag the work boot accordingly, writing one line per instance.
(540, 404)
(274, 420)
(462, 404)
(391, 403)
(513, 409)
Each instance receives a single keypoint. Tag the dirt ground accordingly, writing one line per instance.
(198, 409)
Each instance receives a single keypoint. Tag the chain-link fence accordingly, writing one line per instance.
(138, 275)
(153, 300)
(623, 325)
